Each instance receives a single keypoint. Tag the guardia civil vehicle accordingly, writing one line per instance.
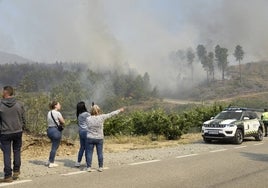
(233, 124)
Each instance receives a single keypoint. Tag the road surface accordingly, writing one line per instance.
(230, 166)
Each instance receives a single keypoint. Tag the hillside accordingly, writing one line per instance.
(254, 80)
(12, 58)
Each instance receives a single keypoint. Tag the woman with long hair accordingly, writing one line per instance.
(81, 115)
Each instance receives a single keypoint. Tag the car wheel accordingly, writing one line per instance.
(206, 140)
(259, 136)
(238, 139)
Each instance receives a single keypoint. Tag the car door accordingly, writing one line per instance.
(251, 123)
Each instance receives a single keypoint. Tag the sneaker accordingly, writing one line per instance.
(16, 175)
(88, 169)
(100, 169)
(6, 180)
(77, 164)
(51, 165)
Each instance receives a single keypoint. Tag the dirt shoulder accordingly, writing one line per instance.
(39, 147)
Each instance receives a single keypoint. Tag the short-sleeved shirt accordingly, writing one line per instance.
(56, 114)
(82, 120)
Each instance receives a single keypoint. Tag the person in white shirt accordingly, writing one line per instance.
(52, 131)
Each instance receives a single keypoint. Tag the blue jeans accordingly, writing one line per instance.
(83, 141)
(55, 136)
(89, 149)
(14, 140)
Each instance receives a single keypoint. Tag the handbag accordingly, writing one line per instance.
(60, 127)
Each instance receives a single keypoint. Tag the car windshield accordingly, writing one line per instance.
(229, 115)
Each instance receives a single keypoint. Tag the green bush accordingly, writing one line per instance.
(157, 122)
(176, 127)
(139, 125)
(118, 125)
(36, 108)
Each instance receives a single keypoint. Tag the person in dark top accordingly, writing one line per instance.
(12, 122)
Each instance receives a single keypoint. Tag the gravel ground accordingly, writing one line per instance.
(36, 167)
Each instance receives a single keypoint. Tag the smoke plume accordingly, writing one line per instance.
(127, 34)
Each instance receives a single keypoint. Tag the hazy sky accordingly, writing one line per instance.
(140, 33)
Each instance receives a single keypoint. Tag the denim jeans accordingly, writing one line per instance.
(14, 140)
(83, 141)
(55, 136)
(89, 149)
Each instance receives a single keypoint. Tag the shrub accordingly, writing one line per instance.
(139, 124)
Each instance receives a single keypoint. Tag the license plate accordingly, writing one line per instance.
(213, 132)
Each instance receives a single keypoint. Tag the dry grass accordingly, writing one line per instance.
(39, 147)
(124, 143)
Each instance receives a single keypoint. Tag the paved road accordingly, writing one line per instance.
(228, 166)
(177, 101)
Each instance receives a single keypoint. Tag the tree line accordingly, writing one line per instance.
(75, 81)
(210, 60)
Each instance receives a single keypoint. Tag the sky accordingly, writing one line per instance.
(138, 34)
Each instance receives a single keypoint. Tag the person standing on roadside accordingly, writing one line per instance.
(264, 118)
(12, 123)
(54, 118)
(81, 114)
(95, 134)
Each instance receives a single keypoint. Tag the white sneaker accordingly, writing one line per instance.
(100, 169)
(51, 165)
(88, 169)
(77, 164)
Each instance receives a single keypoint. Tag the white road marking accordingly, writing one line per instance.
(219, 150)
(238, 147)
(258, 144)
(73, 173)
(190, 155)
(14, 182)
(144, 162)
(81, 172)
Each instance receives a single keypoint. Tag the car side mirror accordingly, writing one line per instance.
(212, 118)
(246, 118)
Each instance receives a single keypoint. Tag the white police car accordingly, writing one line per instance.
(233, 124)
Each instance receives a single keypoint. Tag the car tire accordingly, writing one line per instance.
(238, 139)
(259, 136)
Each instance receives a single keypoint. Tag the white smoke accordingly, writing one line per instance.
(231, 23)
(133, 34)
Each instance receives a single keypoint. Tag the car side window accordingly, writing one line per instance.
(252, 115)
(245, 116)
